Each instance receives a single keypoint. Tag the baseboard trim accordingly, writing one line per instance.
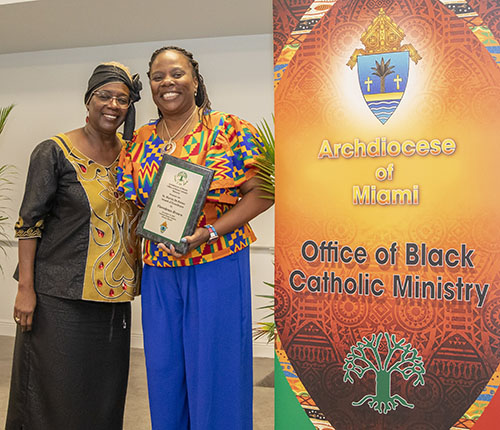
(136, 341)
(263, 349)
(7, 328)
(260, 348)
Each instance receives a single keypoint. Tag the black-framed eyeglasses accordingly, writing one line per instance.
(106, 97)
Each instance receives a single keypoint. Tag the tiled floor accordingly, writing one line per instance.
(136, 410)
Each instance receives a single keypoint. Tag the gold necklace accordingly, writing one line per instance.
(169, 147)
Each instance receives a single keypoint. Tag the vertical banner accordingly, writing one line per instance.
(387, 217)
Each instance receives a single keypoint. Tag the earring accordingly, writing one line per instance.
(195, 93)
(87, 119)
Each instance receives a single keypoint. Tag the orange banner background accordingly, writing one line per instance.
(453, 92)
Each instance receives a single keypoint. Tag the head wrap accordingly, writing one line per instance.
(106, 73)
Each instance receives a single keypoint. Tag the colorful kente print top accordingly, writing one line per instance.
(222, 142)
(87, 248)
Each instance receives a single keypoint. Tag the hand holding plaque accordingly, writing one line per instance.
(177, 198)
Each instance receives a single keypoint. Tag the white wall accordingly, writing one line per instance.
(48, 86)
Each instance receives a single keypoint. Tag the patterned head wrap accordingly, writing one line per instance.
(115, 72)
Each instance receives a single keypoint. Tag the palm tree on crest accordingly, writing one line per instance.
(382, 70)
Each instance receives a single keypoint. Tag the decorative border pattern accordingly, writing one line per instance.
(464, 11)
(305, 400)
(477, 408)
(305, 25)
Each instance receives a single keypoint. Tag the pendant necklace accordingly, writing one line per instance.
(169, 147)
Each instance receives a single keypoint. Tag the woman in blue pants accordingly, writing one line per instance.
(197, 306)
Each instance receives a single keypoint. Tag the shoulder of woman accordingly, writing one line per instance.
(150, 123)
(46, 148)
(48, 156)
(145, 130)
(216, 116)
(224, 119)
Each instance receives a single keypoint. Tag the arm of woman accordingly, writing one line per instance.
(41, 187)
(25, 303)
(247, 208)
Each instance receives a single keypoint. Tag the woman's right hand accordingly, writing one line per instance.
(26, 297)
(24, 306)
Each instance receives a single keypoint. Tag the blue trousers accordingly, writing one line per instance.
(198, 344)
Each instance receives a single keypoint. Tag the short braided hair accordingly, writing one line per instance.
(201, 99)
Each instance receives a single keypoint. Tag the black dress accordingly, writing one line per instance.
(71, 370)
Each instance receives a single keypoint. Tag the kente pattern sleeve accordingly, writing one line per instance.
(231, 151)
(125, 172)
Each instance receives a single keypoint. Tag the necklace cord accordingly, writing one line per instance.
(171, 138)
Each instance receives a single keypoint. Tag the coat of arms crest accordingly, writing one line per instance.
(383, 65)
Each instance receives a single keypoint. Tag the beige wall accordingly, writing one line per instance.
(47, 88)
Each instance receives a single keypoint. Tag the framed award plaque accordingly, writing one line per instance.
(177, 198)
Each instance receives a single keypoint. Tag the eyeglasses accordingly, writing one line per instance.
(106, 97)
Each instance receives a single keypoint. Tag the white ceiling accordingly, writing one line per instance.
(54, 24)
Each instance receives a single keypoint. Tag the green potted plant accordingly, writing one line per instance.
(265, 164)
(6, 171)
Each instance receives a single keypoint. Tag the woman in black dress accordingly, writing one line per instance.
(78, 271)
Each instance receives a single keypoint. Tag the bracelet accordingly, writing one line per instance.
(213, 233)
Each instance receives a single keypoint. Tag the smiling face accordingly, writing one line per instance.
(106, 117)
(173, 84)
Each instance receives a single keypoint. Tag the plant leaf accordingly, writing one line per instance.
(6, 172)
(4, 113)
(265, 162)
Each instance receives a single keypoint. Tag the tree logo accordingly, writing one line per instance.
(384, 359)
(181, 178)
(383, 65)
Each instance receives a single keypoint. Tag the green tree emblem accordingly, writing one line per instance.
(382, 70)
(181, 178)
(397, 357)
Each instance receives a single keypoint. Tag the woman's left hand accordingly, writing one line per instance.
(200, 236)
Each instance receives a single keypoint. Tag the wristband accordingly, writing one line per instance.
(213, 233)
